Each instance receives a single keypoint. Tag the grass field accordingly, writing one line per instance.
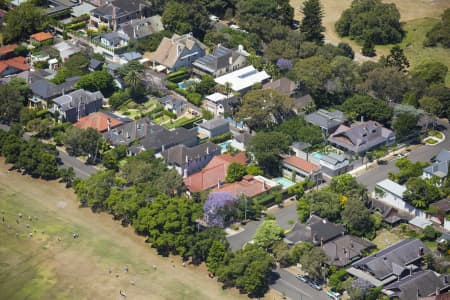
(89, 267)
(418, 17)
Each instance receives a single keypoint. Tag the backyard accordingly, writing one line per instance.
(53, 265)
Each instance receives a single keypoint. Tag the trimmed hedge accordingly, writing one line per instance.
(170, 114)
(221, 138)
(194, 98)
(76, 26)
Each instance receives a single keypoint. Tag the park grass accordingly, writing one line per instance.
(41, 267)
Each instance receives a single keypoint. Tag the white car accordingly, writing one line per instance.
(214, 18)
(235, 27)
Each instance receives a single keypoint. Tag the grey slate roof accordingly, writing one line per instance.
(333, 158)
(283, 86)
(132, 131)
(95, 64)
(422, 283)
(181, 154)
(345, 249)
(77, 98)
(219, 59)
(243, 138)
(393, 260)
(45, 89)
(114, 37)
(326, 119)
(130, 56)
(214, 123)
(316, 230)
(162, 140)
(440, 167)
(141, 28)
(123, 8)
(173, 100)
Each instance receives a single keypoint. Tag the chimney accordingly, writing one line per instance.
(185, 174)
(108, 123)
(314, 239)
(445, 279)
(362, 119)
(240, 48)
(114, 15)
(264, 185)
(162, 148)
(421, 251)
(321, 241)
(207, 150)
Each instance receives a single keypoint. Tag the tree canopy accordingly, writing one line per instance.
(440, 33)
(23, 21)
(267, 233)
(311, 24)
(365, 106)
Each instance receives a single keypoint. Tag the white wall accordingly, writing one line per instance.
(397, 202)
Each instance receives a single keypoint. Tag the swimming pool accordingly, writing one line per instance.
(224, 146)
(181, 85)
(285, 183)
(317, 155)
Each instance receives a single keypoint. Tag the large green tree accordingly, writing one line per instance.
(311, 24)
(300, 130)
(356, 216)
(365, 106)
(440, 33)
(23, 21)
(267, 233)
(11, 103)
(431, 72)
(313, 262)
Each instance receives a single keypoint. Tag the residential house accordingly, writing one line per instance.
(188, 160)
(390, 264)
(346, 249)
(221, 61)
(445, 296)
(7, 51)
(439, 168)
(242, 80)
(391, 215)
(66, 49)
(131, 132)
(113, 14)
(362, 137)
(176, 52)
(141, 28)
(41, 37)
(114, 40)
(13, 66)
(328, 121)
(99, 121)
(213, 128)
(241, 141)
(44, 90)
(95, 65)
(391, 193)
(298, 169)
(174, 104)
(421, 284)
(250, 186)
(77, 104)
(129, 57)
(220, 104)
(214, 173)
(82, 9)
(443, 207)
(316, 230)
(334, 164)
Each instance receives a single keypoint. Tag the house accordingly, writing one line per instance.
(391, 215)
(244, 79)
(82, 9)
(241, 141)
(213, 128)
(7, 51)
(165, 139)
(298, 169)
(328, 121)
(113, 40)
(44, 90)
(128, 133)
(362, 137)
(303, 103)
(221, 61)
(41, 37)
(250, 186)
(99, 121)
(141, 28)
(174, 104)
(445, 296)
(443, 207)
(176, 52)
(391, 193)
(346, 249)
(13, 66)
(129, 57)
(66, 49)
(390, 264)
(316, 230)
(77, 104)
(113, 14)
(220, 104)
(421, 284)
(214, 173)
(439, 168)
(95, 65)
(188, 160)
(334, 164)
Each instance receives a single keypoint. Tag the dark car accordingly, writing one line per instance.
(315, 285)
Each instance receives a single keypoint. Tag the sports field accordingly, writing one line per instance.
(53, 265)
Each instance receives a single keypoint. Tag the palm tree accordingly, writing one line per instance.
(133, 79)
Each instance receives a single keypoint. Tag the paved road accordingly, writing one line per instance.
(295, 289)
(81, 169)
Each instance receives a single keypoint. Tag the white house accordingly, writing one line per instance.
(391, 193)
(243, 79)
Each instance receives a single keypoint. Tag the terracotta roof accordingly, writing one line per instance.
(98, 121)
(7, 49)
(248, 186)
(301, 164)
(214, 172)
(41, 36)
(16, 62)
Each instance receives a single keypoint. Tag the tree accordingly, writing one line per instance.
(254, 170)
(432, 106)
(23, 21)
(368, 49)
(365, 106)
(311, 24)
(347, 49)
(235, 172)
(82, 141)
(266, 147)
(405, 125)
(313, 72)
(267, 233)
(356, 216)
(430, 72)
(76, 65)
(299, 130)
(397, 59)
(118, 98)
(325, 204)
(407, 170)
(429, 233)
(303, 210)
(67, 176)
(11, 103)
(421, 193)
(264, 108)
(183, 17)
(133, 79)
(219, 209)
(440, 33)
(313, 262)
(97, 81)
(206, 85)
(387, 83)
(216, 256)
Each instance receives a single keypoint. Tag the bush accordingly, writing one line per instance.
(172, 85)
(194, 98)
(178, 76)
(170, 114)
(76, 26)
(221, 138)
(429, 233)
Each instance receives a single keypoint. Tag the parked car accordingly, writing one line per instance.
(334, 295)
(303, 278)
(315, 285)
(214, 18)
(382, 162)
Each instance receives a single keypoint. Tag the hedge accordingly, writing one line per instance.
(194, 98)
(172, 85)
(221, 138)
(76, 26)
(170, 114)
(178, 76)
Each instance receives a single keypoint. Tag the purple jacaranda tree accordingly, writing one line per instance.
(284, 64)
(219, 208)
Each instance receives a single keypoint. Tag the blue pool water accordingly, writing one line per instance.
(224, 146)
(181, 85)
(285, 183)
(317, 155)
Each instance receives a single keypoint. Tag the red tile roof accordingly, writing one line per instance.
(301, 164)
(16, 63)
(98, 121)
(41, 36)
(7, 49)
(214, 172)
(248, 186)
